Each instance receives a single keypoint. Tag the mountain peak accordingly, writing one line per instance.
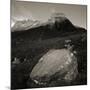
(57, 17)
(53, 15)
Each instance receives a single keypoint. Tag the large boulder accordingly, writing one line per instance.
(60, 63)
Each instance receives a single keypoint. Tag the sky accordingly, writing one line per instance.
(20, 10)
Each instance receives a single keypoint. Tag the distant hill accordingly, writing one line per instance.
(48, 30)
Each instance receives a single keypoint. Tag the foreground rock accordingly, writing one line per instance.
(59, 64)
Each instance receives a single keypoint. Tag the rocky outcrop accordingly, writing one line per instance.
(59, 63)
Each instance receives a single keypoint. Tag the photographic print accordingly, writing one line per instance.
(48, 44)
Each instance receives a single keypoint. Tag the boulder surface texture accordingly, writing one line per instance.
(60, 63)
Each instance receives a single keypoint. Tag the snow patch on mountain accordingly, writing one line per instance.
(24, 25)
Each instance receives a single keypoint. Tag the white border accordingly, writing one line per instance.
(83, 2)
(5, 44)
